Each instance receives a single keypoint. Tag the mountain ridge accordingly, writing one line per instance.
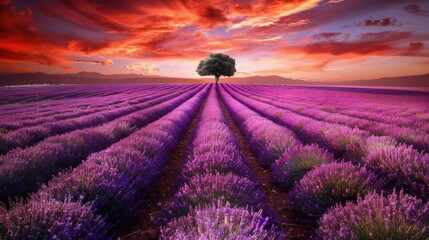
(99, 78)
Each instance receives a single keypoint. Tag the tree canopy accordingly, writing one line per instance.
(217, 64)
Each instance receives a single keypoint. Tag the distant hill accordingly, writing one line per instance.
(403, 81)
(111, 76)
(273, 79)
(98, 78)
(87, 78)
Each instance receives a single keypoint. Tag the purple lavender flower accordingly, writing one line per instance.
(220, 221)
(403, 166)
(111, 191)
(24, 171)
(47, 218)
(296, 162)
(397, 216)
(209, 188)
(328, 185)
(215, 162)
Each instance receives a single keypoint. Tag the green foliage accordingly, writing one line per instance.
(217, 64)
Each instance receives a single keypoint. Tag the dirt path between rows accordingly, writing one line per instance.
(275, 198)
(164, 190)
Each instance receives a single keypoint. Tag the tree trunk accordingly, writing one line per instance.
(217, 78)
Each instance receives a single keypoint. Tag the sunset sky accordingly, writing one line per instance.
(312, 40)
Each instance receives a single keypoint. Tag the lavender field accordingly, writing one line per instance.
(213, 161)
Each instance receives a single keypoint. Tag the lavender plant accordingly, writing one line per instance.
(220, 221)
(327, 185)
(396, 216)
(47, 218)
(31, 135)
(296, 162)
(24, 171)
(114, 182)
(217, 162)
(403, 166)
(209, 188)
(267, 140)
(109, 181)
(216, 176)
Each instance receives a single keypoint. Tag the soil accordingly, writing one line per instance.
(164, 190)
(275, 198)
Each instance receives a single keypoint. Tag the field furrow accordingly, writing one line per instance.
(398, 164)
(377, 108)
(405, 135)
(23, 171)
(276, 198)
(213, 161)
(31, 135)
(24, 94)
(163, 191)
(114, 182)
(216, 183)
(47, 108)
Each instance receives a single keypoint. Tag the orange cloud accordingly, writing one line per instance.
(293, 68)
(15, 68)
(277, 10)
(106, 62)
(298, 23)
(21, 42)
(143, 67)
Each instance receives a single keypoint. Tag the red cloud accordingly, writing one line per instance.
(20, 42)
(380, 22)
(88, 46)
(367, 43)
(385, 22)
(415, 9)
(326, 35)
(243, 8)
(83, 14)
(415, 49)
(106, 62)
(416, 46)
(14, 68)
(340, 48)
(212, 17)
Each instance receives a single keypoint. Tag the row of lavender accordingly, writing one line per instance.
(103, 193)
(399, 110)
(32, 114)
(23, 95)
(319, 185)
(414, 135)
(86, 100)
(218, 197)
(403, 166)
(405, 107)
(28, 136)
(94, 92)
(23, 171)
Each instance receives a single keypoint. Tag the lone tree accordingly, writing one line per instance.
(217, 64)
